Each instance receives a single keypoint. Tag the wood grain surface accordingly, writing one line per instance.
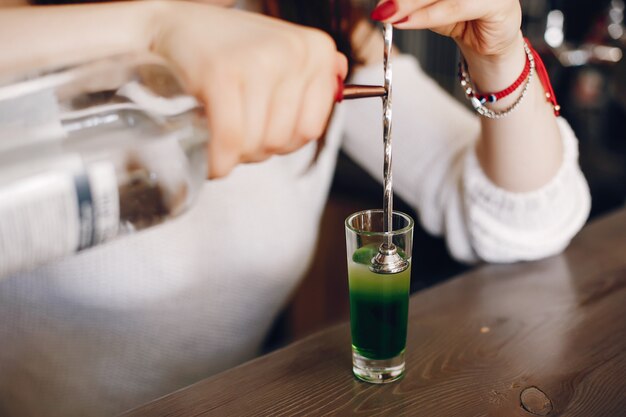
(546, 338)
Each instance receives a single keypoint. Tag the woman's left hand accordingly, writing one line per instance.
(484, 30)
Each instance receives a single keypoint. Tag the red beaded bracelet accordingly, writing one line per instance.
(494, 97)
(533, 61)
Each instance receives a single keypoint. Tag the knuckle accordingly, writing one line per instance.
(223, 77)
(220, 166)
(227, 141)
(219, 172)
(454, 7)
(229, 135)
(256, 157)
(263, 61)
(275, 144)
(322, 43)
(292, 48)
(426, 15)
(251, 144)
(320, 38)
(223, 70)
(297, 48)
(311, 131)
(300, 140)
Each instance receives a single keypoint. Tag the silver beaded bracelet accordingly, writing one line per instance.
(480, 105)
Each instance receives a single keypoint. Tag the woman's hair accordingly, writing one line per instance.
(338, 18)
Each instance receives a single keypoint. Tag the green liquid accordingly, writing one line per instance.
(379, 305)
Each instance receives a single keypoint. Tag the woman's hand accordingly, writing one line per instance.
(268, 86)
(487, 32)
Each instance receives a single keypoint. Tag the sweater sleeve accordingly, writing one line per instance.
(436, 171)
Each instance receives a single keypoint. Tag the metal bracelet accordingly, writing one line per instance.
(481, 108)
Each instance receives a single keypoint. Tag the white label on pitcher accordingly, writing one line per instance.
(39, 221)
(56, 214)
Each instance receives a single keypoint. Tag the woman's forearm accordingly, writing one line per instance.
(267, 86)
(34, 37)
(522, 151)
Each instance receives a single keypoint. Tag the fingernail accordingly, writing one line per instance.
(384, 10)
(339, 94)
(403, 20)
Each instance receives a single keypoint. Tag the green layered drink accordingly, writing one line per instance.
(379, 277)
(379, 306)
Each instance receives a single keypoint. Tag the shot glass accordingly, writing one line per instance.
(379, 303)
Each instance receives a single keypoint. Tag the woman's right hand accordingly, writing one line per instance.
(268, 86)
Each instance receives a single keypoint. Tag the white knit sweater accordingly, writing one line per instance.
(124, 323)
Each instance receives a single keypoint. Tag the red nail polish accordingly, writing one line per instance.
(384, 10)
(403, 20)
(339, 93)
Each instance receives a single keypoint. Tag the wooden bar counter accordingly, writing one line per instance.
(545, 338)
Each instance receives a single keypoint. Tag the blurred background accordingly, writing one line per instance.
(583, 44)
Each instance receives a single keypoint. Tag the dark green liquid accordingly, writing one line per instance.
(379, 307)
